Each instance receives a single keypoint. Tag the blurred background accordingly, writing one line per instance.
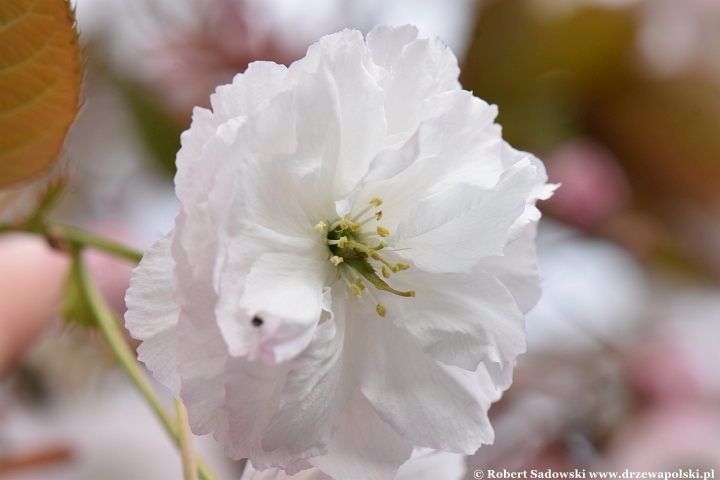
(620, 98)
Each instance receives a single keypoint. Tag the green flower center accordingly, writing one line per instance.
(353, 250)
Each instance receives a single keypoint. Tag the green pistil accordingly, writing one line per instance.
(356, 253)
(347, 247)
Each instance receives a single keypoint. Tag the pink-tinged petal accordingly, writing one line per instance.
(284, 294)
(363, 447)
(152, 314)
(319, 384)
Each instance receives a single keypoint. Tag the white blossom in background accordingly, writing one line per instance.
(348, 273)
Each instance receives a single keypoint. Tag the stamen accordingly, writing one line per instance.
(355, 226)
(385, 272)
(376, 201)
(320, 226)
(336, 260)
(366, 220)
(364, 211)
(360, 247)
(344, 223)
(383, 232)
(379, 246)
(380, 310)
(378, 215)
(402, 266)
(357, 291)
(379, 258)
(360, 283)
(340, 242)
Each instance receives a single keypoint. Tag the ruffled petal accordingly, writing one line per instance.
(456, 142)
(441, 232)
(319, 384)
(427, 403)
(283, 294)
(249, 90)
(424, 68)
(152, 314)
(386, 43)
(363, 447)
(427, 464)
(517, 268)
(459, 319)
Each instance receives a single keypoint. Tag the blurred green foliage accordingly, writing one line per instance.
(543, 70)
(158, 130)
(558, 75)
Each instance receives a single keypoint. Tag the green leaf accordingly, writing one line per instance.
(40, 77)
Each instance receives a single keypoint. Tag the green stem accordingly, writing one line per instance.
(76, 236)
(113, 336)
(189, 460)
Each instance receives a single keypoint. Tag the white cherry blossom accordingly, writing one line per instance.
(348, 273)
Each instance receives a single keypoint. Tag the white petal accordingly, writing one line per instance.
(517, 268)
(285, 291)
(201, 353)
(152, 315)
(541, 190)
(252, 392)
(362, 116)
(433, 465)
(318, 386)
(459, 319)
(456, 142)
(363, 447)
(451, 230)
(249, 90)
(425, 68)
(427, 403)
(269, 257)
(276, 474)
(386, 43)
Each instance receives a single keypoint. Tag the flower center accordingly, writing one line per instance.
(353, 247)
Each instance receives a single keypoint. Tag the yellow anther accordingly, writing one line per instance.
(385, 272)
(402, 266)
(344, 223)
(357, 291)
(320, 226)
(383, 232)
(395, 268)
(342, 242)
(378, 215)
(380, 309)
(355, 226)
(412, 293)
(360, 284)
(336, 260)
(376, 201)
